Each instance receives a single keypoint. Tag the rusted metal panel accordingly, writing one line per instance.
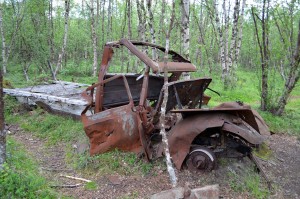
(177, 67)
(184, 132)
(189, 91)
(115, 128)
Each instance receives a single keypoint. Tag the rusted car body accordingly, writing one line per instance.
(124, 110)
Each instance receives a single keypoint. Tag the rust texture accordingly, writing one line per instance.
(123, 112)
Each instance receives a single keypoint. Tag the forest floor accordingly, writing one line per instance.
(234, 176)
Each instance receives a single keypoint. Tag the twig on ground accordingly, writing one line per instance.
(67, 185)
(75, 178)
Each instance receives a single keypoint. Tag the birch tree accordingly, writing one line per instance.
(6, 49)
(63, 49)
(229, 44)
(240, 32)
(4, 60)
(263, 43)
(109, 21)
(51, 31)
(142, 20)
(2, 130)
(292, 78)
(161, 21)
(170, 167)
(151, 27)
(185, 32)
(94, 38)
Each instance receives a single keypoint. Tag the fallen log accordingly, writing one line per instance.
(40, 96)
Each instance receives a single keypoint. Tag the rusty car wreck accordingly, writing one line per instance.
(123, 113)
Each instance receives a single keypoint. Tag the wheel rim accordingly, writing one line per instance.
(201, 159)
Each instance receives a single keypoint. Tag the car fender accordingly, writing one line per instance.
(184, 132)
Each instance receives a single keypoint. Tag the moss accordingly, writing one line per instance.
(263, 152)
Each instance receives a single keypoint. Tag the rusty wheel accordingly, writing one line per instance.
(201, 159)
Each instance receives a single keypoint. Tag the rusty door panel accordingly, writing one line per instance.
(113, 128)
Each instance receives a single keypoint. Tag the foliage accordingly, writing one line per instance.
(110, 162)
(20, 177)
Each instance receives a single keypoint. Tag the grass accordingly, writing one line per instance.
(20, 176)
(250, 182)
(112, 162)
(42, 124)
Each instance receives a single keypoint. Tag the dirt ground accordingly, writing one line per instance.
(283, 170)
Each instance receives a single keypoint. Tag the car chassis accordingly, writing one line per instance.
(123, 113)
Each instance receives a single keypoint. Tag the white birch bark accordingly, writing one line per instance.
(4, 60)
(221, 39)
(185, 34)
(109, 21)
(161, 21)
(225, 71)
(2, 130)
(6, 49)
(234, 37)
(240, 32)
(170, 167)
(231, 65)
(63, 49)
(151, 27)
(141, 26)
(94, 38)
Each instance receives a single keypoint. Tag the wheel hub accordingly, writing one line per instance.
(201, 159)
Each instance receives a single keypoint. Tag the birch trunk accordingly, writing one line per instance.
(264, 53)
(161, 21)
(185, 34)
(109, 23)
(151, 27)
(265, 58)
(129, 19)
(50, 28)
(62, 54)
(221, 39)
(142, 20)
(2, 130)
(4, 60)
(170, 167)
(6, 49)
(225, 71)
(231, 67)
(102, 22)
(240, 32)
(94, 38)
(25, 70)
(292, 79)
